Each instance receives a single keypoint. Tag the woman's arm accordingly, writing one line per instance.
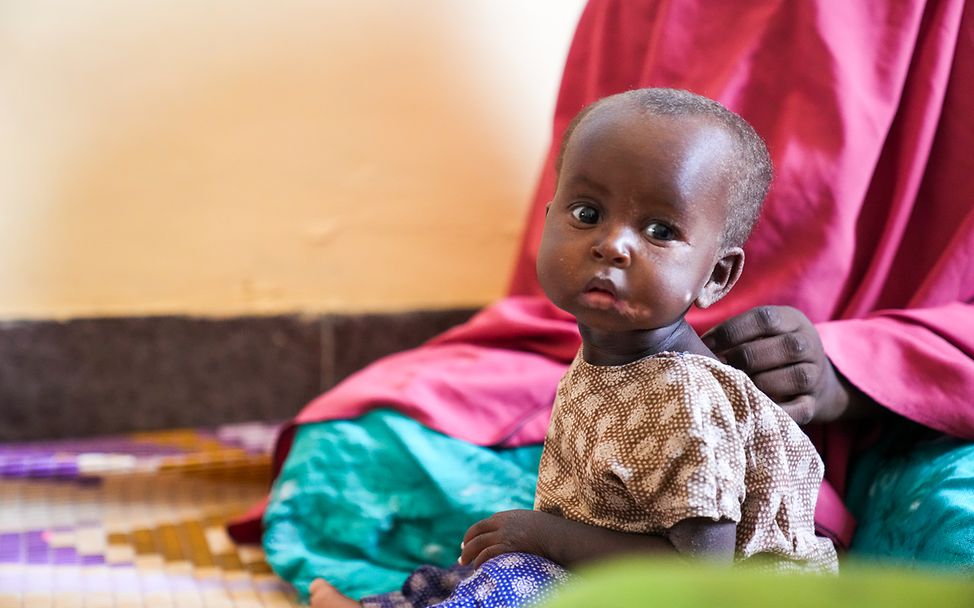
(570, 543)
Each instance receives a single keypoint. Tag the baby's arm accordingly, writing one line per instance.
(570, 543)
(705, 538)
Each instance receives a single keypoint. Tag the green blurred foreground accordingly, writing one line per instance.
(642, 582)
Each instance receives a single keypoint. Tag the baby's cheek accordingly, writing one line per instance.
(634, 312)
(554, 274)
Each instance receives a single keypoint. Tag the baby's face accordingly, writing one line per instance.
(636, 224)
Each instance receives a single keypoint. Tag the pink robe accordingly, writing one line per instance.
(869, 228)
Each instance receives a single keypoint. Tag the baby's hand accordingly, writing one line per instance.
(506, 532)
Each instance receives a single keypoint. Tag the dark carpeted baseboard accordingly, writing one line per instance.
(88, 377)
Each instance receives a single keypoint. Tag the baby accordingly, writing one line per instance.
(654, 445)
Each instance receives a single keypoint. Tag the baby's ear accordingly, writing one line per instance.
(723, 277)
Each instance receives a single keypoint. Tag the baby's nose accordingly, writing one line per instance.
(615, 248)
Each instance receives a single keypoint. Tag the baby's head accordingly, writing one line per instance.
(748, 167)
(657, 191)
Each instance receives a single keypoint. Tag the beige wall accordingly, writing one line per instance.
(237, 157)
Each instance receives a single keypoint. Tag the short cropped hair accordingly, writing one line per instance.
(750, 169)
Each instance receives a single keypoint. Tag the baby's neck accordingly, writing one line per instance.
(619, 348)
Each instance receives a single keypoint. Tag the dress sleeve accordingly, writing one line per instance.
(691, 462)
(928, 360)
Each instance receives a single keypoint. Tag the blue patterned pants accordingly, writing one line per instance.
(509, 580)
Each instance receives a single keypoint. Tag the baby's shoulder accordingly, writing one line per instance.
(691, 372)
(707, 383)
(710, 371)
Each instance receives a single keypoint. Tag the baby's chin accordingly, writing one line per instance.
(611, 321)
(606, 314)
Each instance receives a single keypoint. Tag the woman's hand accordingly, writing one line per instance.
(519, 530)
(779, 348)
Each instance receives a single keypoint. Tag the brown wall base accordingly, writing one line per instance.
(89, 377)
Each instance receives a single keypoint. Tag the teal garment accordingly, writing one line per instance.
(675, 584)
(914, 502)
(364, 502)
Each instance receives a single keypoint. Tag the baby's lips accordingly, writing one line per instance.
(603, 285)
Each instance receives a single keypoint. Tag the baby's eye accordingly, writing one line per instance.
(586, 214)
(660, 232)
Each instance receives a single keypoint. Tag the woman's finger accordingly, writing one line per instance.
(787, 383)
(771, 353)
(801, 409)
(760, 322)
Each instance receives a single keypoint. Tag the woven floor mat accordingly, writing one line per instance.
(135, 521)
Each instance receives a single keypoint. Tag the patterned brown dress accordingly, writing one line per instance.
(642, 446)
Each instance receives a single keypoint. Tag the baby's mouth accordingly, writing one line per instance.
(600, 293)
